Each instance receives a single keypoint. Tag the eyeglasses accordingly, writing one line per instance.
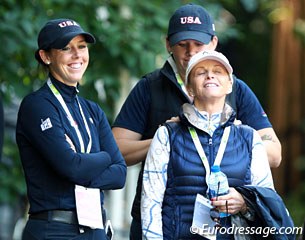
(214, 212)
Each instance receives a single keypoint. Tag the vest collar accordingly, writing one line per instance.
(193, 116)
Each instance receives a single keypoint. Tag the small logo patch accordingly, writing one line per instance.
(46, 124)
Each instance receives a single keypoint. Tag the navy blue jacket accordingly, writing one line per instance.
(51, 167)
(270, 211)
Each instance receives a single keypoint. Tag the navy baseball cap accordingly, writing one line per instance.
(57, 33)
(190, 21)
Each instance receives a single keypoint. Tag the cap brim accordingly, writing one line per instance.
(199, 58)
(225, 64)
(204, 38)
(64, 40)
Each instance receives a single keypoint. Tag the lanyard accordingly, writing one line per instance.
(73, 123)
(201, 152)
(174, 67)
(179, 80)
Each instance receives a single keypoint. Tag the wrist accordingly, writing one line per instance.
(247, 213)
(244, 209)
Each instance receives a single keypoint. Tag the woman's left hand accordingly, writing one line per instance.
(233, 202)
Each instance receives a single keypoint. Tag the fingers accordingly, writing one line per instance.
(233, 202)
(227, 206)
(173, 119)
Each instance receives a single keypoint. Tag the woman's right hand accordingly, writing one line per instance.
(173, 119)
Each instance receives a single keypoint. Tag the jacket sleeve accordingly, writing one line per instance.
(114, 175)
(154, 185)
(134, 112)
(249, 109)
(272, 217)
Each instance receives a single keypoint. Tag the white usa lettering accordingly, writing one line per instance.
(67, 23)
(185, 20)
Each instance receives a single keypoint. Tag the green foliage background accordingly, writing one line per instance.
(130, 37)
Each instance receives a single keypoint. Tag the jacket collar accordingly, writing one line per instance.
(169, 73)
(67, 92)
(191, 114)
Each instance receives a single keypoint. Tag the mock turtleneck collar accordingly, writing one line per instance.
(198, 120)
(67, 92)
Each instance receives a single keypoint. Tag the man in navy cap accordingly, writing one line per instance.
(157, 97)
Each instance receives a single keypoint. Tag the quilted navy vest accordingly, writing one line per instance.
(186, 173)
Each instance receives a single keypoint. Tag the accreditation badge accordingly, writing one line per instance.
(88, 207)
(202, 223)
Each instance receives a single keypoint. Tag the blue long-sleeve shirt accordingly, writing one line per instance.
(52, 168)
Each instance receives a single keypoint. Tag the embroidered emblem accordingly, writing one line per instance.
(46, 124)
(186, 20)
(67, 23)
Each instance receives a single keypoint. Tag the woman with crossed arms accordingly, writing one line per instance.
(67, 149)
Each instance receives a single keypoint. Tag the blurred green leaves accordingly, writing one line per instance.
(130, 36)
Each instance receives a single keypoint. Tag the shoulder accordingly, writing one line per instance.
(93, 108)
(173, 128)
(36, 106)
(240, 85)
(142, 91)
(41, 98)
(161, 136)
(243, 91)
(147, 81)
(143, 86)
(89, 103)
(152, 76)
(243, 128)
(245, 131)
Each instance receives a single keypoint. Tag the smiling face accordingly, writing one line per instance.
(209, 82)
(69, 64)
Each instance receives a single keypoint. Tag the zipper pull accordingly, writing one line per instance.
(210, 141)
